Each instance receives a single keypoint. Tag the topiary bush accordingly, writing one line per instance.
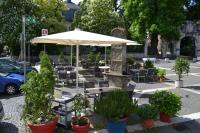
(114, 105)
(166, 102)
(147, 111)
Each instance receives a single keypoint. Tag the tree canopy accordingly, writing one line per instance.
(154, 16)
(39, 14)
(97, 16)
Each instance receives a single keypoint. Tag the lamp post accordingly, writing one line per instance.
(146, 44)
(24, 44)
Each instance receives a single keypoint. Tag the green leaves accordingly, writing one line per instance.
(39, 14)
(38, 91)
(166, 102)
(148, 64)
(97, 16)
(156, 16)
(181, 67)
(147, 111)
(114, 105)
(161, 72)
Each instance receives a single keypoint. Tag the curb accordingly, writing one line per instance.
(175, 120)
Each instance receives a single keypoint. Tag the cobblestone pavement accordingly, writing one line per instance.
(11, 122)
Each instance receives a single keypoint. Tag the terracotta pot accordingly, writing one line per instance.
(44, 128)
(148, 123)
(81, 129)
(162, 79)
(165, 117)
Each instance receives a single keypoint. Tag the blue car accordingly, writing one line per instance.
(10, 83)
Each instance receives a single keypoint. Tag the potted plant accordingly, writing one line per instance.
(167, 103)
(115, 106)
(80, 123)
(181, 67)
(38, 91)
(148, 64)
(161, 74)
(148, 113)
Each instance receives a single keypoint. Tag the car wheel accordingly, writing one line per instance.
(11, 89)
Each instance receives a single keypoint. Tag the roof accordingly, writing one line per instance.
(69, 14)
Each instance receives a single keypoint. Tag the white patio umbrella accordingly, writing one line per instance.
(78, 37)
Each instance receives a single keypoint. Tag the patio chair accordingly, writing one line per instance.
(129, 67)
(68, 68)
(151, 74)
(142, 74)
(103, 83)
(134, 74)
(137, 66)
(59, 68)
(89, 84)
(97, 72)
(72, 77)
(63, 77)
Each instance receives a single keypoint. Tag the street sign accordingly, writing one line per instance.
(44, 32)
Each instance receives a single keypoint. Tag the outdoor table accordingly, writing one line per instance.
(134, 70)
(104, 70)
(62, 110)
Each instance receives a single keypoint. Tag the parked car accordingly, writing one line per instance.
(1, 111)
(10, 83)
(9, 66)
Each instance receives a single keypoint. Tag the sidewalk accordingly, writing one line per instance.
(186, 127)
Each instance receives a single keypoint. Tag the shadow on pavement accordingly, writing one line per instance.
(193, 87)
(5, 96)
(8, 128)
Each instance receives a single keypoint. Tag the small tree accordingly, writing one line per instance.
(181, 67)
(38, 92)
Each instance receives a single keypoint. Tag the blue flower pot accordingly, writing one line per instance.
(116, 127)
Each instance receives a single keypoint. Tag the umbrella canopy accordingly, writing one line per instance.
(78, 37)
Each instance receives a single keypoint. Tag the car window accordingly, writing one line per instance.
(6, 68)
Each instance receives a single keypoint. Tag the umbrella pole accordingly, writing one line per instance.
(71, 55)
(77, 60)
(105, 55)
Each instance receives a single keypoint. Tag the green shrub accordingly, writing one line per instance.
(80, 104)
(114, 105)
(130, 61)
(38, 92)
(161, 72)
(147, 111)
(166, 102)
(182, 66)
(138, 65)
(91, 58)
(148, 64)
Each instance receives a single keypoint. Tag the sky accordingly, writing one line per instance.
(76, 1)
